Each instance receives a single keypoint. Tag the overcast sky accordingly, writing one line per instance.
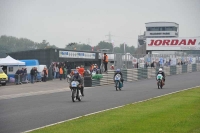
(63, 21)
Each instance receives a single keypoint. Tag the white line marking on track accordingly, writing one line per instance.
(32, 93)
(107, 110)
(11, 96)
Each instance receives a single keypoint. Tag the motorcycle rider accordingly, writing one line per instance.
(118, 71)
(160, 71)
(77, 77)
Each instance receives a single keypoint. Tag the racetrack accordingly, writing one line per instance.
(29, 112)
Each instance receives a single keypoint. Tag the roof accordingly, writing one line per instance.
(161, 22)
(10, 61)
(32, 62)
(55, 49)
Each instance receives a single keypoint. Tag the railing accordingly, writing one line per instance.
(145, 73)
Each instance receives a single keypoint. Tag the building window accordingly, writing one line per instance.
(10, 69)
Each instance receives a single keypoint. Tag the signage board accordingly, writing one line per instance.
(173, 44)
(72, 54)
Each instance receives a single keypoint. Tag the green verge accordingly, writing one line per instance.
(175, 113)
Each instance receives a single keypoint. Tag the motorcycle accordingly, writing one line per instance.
(118, 83)
(76, 94)
(160, 81)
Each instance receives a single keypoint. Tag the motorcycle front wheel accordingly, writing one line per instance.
(117, 85)
(73, 94)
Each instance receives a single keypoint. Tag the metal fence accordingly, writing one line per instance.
(128, 61)
(146, 73)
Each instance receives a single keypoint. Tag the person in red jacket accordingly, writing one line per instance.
(81, 70)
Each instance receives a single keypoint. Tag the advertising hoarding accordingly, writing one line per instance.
(173, 44)
(72, 54)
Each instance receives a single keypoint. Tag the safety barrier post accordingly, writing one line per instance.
(135, 74)
(189, 68)
(129, 75)
(124, 72)
(184, 68)
(194, 67)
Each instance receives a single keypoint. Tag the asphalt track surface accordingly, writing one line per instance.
(29, 112)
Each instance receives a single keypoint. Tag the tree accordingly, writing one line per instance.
(128, 49)
(104, 45)
(12, 44)
(43, 44)
(117, 50)
(76, 46)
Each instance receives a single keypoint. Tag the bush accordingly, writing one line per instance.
(97, 76)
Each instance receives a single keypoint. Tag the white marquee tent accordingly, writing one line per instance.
(10, 61)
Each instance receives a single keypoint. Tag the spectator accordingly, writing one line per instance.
(22, 75)
(54, 71)
(91, 67)
(169, 62)
(81, 70)
(32, 73)
(68, 69)
(77, 68)
(95, 70)
(35, 73)
(166, 63)
(105, 61)
(45, 74)
(17, 76)
(146, 65)
(152, 64)
(57, 72)
(96, 66)
(65, 72)
(25, 74)
(61, 72)
(112, 67)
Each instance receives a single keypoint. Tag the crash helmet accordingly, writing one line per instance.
(118, 70)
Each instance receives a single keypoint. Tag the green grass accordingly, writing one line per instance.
(175, 113)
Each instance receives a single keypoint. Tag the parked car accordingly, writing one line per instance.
(3, 77)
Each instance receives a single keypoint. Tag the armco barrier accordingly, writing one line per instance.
(194, 67)
(151, 72)
(184, 68)
(124, 72)
(129, 75)
(143, 73)
(178, 69)
(167, 70)
(189, 68)
(135, 74)
(95, 82)
(198, 67)
(172, 70)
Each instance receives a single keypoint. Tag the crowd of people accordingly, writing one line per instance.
(21, 75)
